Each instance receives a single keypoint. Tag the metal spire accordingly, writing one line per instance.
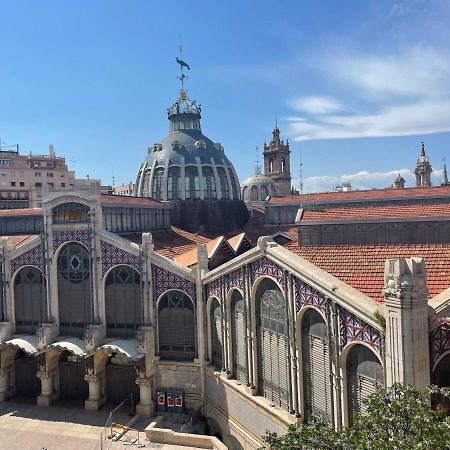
(182, 64)
(301, 169)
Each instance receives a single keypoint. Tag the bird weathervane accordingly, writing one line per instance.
(182, 64)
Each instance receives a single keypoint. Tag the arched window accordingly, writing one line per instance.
(216, 334)
(192, 182)
(174, 183)
(270, 165)
(272, 354)
(246, 194)
(441, 378)
(74, 289)
(238, 347)
(316, 366)
(254, 193)
(70, 212)
(223, 182)
(283, 166)
(176, 327)
(157, 183)
(264, 192)
(123, 302)
(145, 189)
(234, 184)
(29, 300)
(209, 182)
(364, 377)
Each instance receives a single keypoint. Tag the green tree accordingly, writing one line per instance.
(398, 418)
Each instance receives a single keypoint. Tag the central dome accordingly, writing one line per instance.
(186, 164)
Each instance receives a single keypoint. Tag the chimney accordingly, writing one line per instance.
(51, 150)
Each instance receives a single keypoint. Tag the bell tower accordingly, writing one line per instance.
(423, 169)
(277, 164)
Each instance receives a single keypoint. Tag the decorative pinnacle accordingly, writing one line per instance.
(257, 166)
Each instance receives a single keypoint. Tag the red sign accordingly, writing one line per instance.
(161, 400)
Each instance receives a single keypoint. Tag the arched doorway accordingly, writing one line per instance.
(123, 302)
(364, 377)
(25, 370)
(121, 384)
(176, 327)
(29, 300)
(316, 366)
(216, 334)
(441, 378)
(238, 346)
(72, 385)
(272, 353)
(74, 289)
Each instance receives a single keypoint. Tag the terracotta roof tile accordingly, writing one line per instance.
(350, 213)
(362, 266)
(126, 200)
(21, 212)
(371, 194)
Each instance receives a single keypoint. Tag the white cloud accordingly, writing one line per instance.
(425, 117)
(363, 180)
(403, 94)
(316, 105)
(419, 71)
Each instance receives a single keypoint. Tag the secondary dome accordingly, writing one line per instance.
(258, 187)
(186, 164)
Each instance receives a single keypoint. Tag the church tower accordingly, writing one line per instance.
(277, 163)
(423, 170)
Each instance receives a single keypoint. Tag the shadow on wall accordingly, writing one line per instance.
(211, 216)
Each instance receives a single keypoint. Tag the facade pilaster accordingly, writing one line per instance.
(406, 315)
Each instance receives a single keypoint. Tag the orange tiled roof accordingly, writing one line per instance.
(20, 239)
(21, 212)
(371, 194)
(350, 213)
(126, 200)
(362, 266)
(190, 257)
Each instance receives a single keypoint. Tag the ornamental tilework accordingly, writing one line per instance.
(352, 328)
(440, 342)
(305, 294)
(163, 280)
(60, 237)
(265, 266)
(33, 257)
(113, 256)
(234, 279)
(213, 289)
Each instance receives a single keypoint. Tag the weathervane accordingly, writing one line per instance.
(182, 64)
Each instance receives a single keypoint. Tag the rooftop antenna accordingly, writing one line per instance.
(73, 161)
(301, 169)
(112, 175)
(257, 167)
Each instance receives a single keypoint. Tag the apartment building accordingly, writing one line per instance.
(23, 177)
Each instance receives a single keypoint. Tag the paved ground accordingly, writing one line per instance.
(25, 426)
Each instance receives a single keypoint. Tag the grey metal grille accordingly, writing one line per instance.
(364, 377)
(273, 361)
(316, 366)
(238, 347)
(176, 327)
(216, 334)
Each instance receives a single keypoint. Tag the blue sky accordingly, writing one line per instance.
(357, 85)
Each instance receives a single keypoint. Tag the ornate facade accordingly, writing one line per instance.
(258, 343)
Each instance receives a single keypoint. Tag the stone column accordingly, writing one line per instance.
(217, 180)
(47, 390)
(406, 315)
(95, 399)
(146, 405)
(5, 388)
(183, 179)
